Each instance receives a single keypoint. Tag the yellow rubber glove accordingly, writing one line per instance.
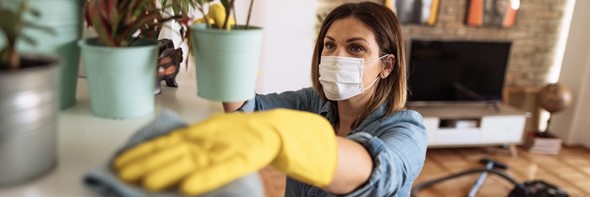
(225, 147)
(202, 20)
(217, 13)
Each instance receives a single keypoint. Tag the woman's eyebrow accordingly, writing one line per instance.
(353, 39)
(356, 39)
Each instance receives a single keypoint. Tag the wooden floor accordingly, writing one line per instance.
(570, 170)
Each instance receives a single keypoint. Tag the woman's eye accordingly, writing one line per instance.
(356, 49)
(329, 46)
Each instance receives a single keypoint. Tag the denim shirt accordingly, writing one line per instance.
(397, 143)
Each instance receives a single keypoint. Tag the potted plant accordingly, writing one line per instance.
(226, 55)
(28, 100)
(121, 62)
(64, 17)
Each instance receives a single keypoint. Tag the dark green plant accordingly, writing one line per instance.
(11, 26)
(120, 22)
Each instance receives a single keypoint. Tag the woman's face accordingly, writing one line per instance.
(350, 37)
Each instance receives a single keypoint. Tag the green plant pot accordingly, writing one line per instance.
(64, 17)
(120, 79)
(28, 125)
(226, 62)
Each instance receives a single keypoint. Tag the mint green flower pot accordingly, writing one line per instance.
(64, 17)
(226, 62)
(120, 79)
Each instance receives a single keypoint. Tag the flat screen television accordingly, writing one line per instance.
(457, 71)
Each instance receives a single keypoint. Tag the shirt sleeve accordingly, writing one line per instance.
(398, 153)
(304, 99)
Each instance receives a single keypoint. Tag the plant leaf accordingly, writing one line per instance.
(35, 13)
(119, 22)
(191, 3)
(185, 6)
(44, 28)
(225, 4)
(99, 25)
(135, 25)
(28, 39)
(165, 3)
(176, 9)
(249, 14)
(112, 14)
(228, 8)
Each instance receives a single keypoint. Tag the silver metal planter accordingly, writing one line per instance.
(29, 103)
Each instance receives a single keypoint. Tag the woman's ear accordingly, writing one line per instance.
(387, 66)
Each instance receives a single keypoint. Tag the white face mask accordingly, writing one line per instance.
(342, 77)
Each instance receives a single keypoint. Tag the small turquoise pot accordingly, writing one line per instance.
(226, 62)
(120, 79)
(64, 18)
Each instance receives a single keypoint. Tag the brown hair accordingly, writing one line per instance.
(387, 30)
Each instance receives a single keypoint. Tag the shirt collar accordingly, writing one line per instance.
(326, 111)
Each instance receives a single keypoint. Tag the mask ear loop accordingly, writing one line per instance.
(372, 83)
(379, 76)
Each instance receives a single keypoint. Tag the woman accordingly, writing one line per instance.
(370, 32)
(369, 145)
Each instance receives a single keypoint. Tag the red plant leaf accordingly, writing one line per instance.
(99, 25)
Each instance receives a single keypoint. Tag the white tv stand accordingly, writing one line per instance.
(472, 124)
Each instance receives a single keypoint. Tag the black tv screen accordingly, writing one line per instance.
(457, 70)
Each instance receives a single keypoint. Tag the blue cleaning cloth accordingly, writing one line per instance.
(105, 182)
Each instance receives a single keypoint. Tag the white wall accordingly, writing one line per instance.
(582, 126)
(572, 124)
(289, 37)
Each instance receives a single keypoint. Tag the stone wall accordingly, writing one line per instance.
(534, 36)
